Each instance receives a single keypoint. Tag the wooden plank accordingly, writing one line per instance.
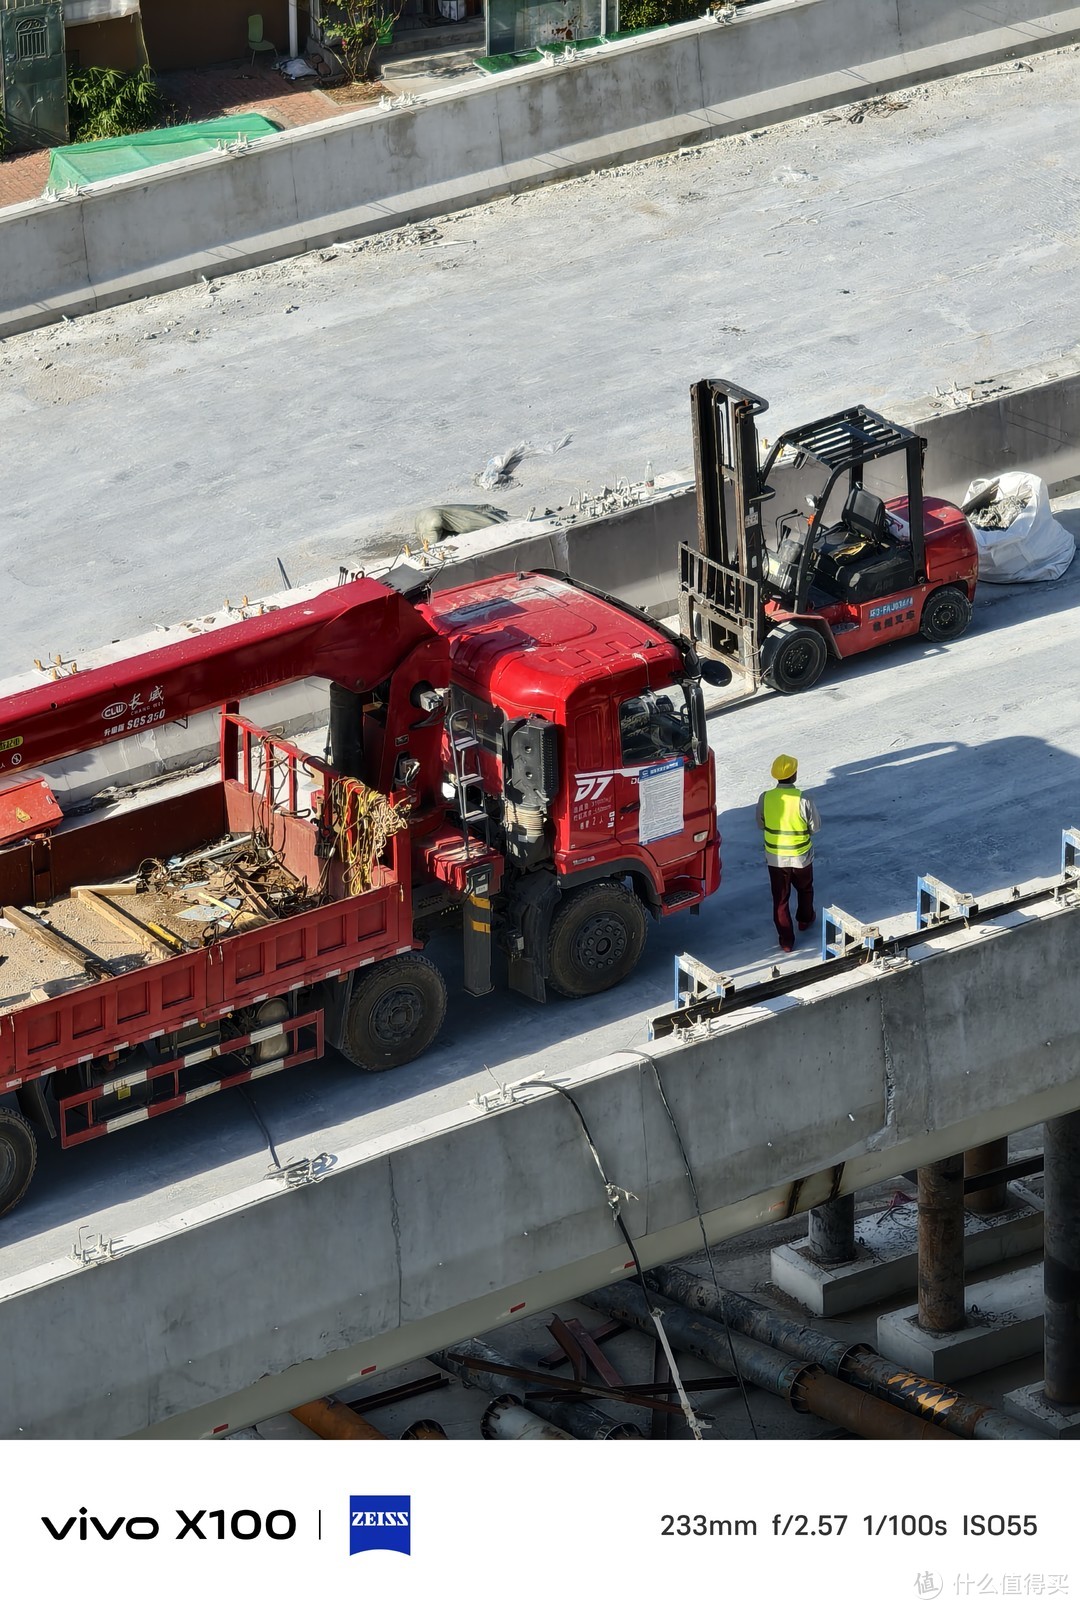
(159, 941)
(28, 923)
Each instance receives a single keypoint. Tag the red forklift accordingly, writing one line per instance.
(857, 557)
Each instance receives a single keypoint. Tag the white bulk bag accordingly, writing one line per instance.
(1034, 546)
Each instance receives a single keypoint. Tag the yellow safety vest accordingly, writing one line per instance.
(785, 830)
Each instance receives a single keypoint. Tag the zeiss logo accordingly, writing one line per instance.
(380, 1523)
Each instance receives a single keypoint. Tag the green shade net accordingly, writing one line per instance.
(108, 159)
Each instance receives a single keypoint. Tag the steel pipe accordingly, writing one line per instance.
(582, 1420)
(941, 1245)
(832, 1232)
(508, 1419)
(1061, 1261)
(336, 1422)
(424, 1431)
(986, 1160)
(858, 1365)
(805, 1387)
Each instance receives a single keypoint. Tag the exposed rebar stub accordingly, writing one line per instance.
(941, 1245)
(832, 1232)
(1061, 1261)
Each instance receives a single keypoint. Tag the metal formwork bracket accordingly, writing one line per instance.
(842, 933)
(695, 982)
(1070, 846)
(937, 902)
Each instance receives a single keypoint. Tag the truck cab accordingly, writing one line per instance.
(594, 778)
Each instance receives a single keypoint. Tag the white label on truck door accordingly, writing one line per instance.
(660, 789)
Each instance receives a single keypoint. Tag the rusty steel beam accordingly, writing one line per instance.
(398, 1394)
(987, 1160)
(336, 1422)
(1061, 1261)
(941, 1245)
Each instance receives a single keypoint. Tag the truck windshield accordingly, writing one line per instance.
(654, 725)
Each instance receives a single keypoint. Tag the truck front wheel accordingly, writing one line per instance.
(18, 1158)
(596, 939)
(396, 1010)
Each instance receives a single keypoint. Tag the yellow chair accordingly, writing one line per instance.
(256, 43)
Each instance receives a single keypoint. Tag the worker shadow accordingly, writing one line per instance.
(978, 816)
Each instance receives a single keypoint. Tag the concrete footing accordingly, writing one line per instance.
(1004, 1322)
(1029, 1403)
(886, 1262)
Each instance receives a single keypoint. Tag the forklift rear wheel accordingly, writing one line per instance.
(946, 614)
(597, 936)
(396, 1010)
(18, 1158)
(792, 657)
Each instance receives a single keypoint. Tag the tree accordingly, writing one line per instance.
(356, 28)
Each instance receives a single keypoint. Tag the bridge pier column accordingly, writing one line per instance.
(941, 1245)
(1053, 1403)
(982, 1160)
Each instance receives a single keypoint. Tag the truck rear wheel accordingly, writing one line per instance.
(396, 1010)
(18, 1158)
(792, 657)
(596, 939)
(946, 614)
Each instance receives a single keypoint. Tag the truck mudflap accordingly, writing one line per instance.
(528, 918)
(151, 1089)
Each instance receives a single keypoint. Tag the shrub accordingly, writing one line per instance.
(354, 28)
(651, 13)
(105, 103)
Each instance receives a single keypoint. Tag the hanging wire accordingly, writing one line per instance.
(613, 1193)
(645, 1057)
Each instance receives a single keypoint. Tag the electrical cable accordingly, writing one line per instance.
(645, 1057)
(250, 1099)
(613, 1192)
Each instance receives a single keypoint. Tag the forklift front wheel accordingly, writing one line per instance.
(596, 939)
(946, 614)
(396, 1010)
(792, 657)
(18, 1158)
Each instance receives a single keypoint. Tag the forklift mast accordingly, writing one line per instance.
(726, 573)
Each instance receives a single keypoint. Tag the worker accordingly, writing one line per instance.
(788, 819)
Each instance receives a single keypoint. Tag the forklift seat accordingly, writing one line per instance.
(864, 515)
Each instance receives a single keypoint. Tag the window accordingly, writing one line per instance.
(31, 39)
(655, 725)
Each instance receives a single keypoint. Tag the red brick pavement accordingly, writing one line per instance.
(197, 95)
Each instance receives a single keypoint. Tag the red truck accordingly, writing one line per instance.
(538, 750)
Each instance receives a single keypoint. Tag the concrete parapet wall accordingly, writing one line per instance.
(1031, 424)
(374, 169)
(277, 1295)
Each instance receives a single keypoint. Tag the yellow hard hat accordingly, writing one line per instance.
(783, 767)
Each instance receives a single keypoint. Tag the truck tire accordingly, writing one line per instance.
(18, 1158)
(596, 939)
(792, 657)
(946, 614)
(396, 1010)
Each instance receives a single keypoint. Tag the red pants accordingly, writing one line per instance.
(783, 879)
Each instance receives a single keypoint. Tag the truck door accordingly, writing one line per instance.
(663, 799)
(590, 783)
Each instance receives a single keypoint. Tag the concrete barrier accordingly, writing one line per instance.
(374, 169)
(453, 1226)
